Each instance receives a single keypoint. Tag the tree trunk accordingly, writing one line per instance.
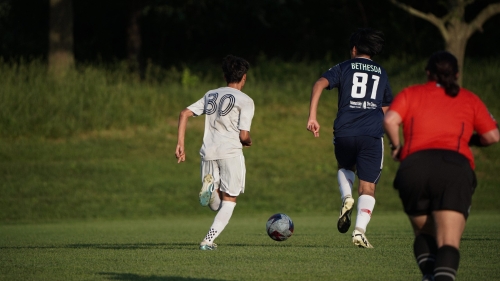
(453, 28)
(134, 39)
(456, 44)
(60, 56)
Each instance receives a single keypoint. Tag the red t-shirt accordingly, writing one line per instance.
(434, 120)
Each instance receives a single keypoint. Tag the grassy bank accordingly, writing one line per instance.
(100, 143)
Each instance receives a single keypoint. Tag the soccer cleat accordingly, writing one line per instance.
(428, 277)
(206, 190)
(207, 247)
(344, 221)
(359, 239)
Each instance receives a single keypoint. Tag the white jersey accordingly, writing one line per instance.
(228, 111)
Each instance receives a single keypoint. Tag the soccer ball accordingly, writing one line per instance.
(279, 227)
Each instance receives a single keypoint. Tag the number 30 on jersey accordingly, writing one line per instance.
(221, 108)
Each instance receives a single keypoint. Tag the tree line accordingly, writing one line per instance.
(168, 32)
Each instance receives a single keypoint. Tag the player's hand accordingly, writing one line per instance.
(313, 126)
(396, 153)
(246, 144)
(179, 153)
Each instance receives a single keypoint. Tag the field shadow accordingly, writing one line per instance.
(480, 239)
(110, 246)
(163, 246)
(137, 277)
(135, 246)
(176, 246)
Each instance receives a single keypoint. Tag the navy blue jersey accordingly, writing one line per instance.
(363, 90)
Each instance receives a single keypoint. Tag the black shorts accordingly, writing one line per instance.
(435, 179)
(367, 153)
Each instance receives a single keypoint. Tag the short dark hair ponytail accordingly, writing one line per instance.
(443, 68)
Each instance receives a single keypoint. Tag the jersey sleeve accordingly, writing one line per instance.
(387, 95)
(400, 103)
(246, 115)
(198, 108)
(333, 76)
(483, 120)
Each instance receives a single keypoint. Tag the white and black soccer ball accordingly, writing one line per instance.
(279, 227)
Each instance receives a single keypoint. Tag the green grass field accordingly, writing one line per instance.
(90, 188)
(167, 249)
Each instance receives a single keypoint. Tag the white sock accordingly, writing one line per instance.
(220, 222)
(215, 202)
(366, 203)
(346, 180)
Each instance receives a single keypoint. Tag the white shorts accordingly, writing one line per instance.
(229, 174)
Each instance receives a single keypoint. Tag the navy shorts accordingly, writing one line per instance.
(364, 152)
(435, 179)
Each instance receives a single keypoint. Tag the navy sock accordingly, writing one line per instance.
(446, 266)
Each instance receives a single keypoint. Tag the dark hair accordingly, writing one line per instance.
(234, 68)
(443, 68)
(367, 41)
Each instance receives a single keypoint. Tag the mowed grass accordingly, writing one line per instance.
(167, 249)
(90, 188)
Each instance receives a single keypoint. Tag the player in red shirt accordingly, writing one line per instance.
(436, 177)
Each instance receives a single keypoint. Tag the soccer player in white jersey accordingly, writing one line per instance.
(229, 114)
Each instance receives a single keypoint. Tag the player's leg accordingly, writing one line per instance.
(232, 183)
(449, 228)
(220, 221)
(453, 185)
(345, 153)
(366, 203)
(424, 245)
(412, 181)
(369, 162)
(216, 199)
(345, 179)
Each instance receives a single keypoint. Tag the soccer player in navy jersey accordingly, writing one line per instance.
(364, 96)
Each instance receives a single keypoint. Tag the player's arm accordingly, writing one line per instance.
(485, 139)
(387, 98)
(392, 121)
(485, 126)
(384, 109)
(317, 90)
(245, 138)
(181, 133)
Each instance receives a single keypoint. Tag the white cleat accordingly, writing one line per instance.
(206, 190)
(206, 247)
(344, 221)
(359, 239)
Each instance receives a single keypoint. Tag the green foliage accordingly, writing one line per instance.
(87, 99)
(100, 144)
(188, 79)
(102, 97)
(167, 249)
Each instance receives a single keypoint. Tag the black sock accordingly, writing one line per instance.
(425, 249)
(447, 260)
